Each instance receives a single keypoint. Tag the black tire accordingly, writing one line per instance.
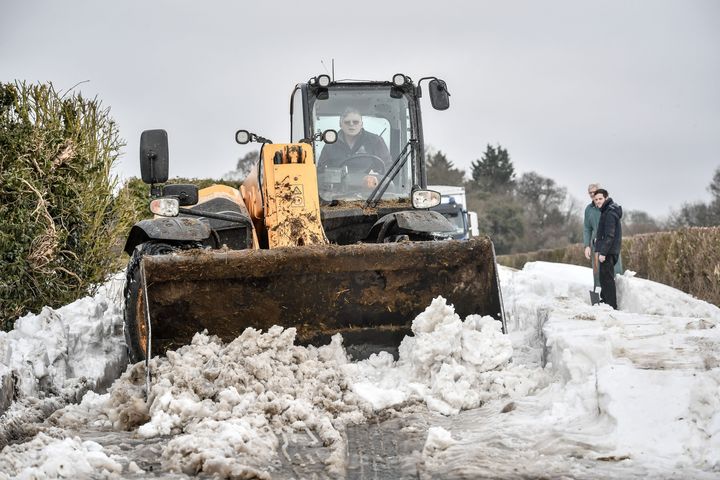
(134, 317)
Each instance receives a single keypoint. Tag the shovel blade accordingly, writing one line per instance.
(370, 293)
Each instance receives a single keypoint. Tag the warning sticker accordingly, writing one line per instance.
(297, 198)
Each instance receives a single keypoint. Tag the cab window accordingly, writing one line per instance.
(297, 120)
(386, 118)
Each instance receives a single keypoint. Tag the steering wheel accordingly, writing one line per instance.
(364, 162)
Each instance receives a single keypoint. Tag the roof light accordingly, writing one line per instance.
(399, 79)
(323, 80)
(243, 137)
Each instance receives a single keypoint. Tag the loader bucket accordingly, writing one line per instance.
(370, 293)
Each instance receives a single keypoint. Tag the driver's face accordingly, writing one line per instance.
(351, 124)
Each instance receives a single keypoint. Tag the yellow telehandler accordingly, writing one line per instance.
(350, 246)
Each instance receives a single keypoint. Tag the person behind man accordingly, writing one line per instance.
(353, 140)
(608, 243)
(590, 226)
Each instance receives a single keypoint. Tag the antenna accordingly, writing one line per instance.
(332, 73)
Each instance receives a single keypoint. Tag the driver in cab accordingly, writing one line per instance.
(353, 142)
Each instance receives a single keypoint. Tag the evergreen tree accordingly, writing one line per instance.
(494, 172)
(441, 171)
(714, 187)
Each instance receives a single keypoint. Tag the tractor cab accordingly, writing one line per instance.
(379, 153)
(377, 160)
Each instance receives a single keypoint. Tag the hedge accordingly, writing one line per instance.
(59, 219)
(687, 259)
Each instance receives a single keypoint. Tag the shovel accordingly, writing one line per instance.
(595, 296)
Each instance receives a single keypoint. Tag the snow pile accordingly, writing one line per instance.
(48, 457)
(50, 351)
(438, 440)
(449, 364)
(225, 405)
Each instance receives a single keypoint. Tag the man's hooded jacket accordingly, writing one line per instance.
(609, 234)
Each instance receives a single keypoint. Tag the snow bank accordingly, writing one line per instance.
(57, 348)
(634, 392)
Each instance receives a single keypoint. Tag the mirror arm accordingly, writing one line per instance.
(154, 190)
(259, 139)
(310, 140)
(424, 78)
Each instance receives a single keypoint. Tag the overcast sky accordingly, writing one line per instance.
(622, 92)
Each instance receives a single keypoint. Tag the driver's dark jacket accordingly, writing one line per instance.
(334, 154)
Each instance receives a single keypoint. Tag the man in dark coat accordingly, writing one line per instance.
(354, 140)
(608, 243)
(590, 227)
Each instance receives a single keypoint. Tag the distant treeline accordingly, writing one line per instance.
(531, 212)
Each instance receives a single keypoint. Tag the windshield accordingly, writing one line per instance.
(456, 218)
(373, 131)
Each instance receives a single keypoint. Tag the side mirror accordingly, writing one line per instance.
(329, 136)
(439, 95)
(154, 157)
(186, 194)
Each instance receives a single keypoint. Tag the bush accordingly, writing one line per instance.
(59, 219)
(687, 259)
